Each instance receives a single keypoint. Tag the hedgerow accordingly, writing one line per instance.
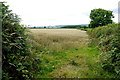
(107, 39)
(17, 58)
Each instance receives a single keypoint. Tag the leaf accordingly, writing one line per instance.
(20, 64)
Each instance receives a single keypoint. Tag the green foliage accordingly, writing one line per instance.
(74, 26)
(100, 17)
(107, 38)
(16, 58)
(82, 27)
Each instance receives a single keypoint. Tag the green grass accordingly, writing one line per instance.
(75, 63)
(70, 57)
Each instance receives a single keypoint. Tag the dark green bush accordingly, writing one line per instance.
(17, 59)
(107, 39)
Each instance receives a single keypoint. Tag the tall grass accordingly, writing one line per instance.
(59, 39)
(64, 53)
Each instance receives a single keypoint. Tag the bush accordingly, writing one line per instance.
(107, 38)
(17, 58)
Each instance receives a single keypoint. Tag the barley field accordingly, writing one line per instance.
(60, 34)
(60, 39)
(64, 53)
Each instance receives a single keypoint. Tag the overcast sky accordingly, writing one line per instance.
(59, 12)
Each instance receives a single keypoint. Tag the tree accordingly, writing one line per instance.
(100, 17)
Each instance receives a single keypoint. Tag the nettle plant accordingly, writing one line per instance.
(16, 56)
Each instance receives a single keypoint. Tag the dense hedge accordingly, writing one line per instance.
(107, 39)
(17, 59)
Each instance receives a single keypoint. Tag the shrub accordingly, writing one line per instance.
(16, 58)
(107, 38)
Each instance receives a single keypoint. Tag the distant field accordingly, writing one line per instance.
(60, 32)
(59, 39)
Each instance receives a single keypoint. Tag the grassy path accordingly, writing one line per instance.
(65, 54)
(76, 64)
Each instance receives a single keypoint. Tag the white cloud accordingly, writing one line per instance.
(57, 12)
